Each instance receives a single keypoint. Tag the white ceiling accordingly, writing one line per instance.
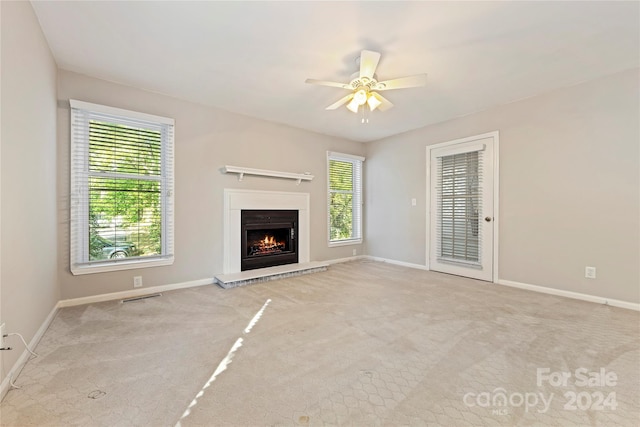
(253, 57)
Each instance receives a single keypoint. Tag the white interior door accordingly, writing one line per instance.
(461, 208)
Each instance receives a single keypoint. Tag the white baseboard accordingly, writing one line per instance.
(401, 263)
(24, 357)
(347, 259)
(569, 294)
(542, 289)
(133, 293)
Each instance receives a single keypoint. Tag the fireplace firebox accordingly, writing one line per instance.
(268, 238)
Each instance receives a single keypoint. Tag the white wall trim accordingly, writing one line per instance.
(396, 262)
(83, 105)
(535, 288)
(24, 357)
(569, 294)
(347, 259)
(133, 293)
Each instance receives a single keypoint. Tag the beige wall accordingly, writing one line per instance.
(569, 188)
(206, 140)
(28, 218)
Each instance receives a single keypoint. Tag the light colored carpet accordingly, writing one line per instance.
(362, 344)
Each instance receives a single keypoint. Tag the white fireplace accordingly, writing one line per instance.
(237, 200)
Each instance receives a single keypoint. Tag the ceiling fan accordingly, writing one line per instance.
(364, 85)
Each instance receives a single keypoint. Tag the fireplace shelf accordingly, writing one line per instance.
(241, 171)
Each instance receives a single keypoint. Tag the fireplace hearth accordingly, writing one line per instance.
(268, 238)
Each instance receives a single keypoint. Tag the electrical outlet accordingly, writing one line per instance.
(590, 272)
(137, 281)
(2, 336)
(355, 251)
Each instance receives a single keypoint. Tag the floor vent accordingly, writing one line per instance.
(141, 297)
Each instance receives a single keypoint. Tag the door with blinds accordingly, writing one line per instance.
(461, 211)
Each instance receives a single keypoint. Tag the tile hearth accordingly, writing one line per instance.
(233, 280)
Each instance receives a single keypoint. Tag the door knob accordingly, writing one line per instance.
(487, 218)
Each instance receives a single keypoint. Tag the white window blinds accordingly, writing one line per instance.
(344, 198)
(459, 206)
(121, 189)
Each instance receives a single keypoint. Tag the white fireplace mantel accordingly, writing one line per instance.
(237, 200)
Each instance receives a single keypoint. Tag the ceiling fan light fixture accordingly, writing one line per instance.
(360, 97)
(373, 102)
(353, 105)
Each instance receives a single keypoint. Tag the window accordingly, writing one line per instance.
(121, 189)
(459, 199)
(345, 198)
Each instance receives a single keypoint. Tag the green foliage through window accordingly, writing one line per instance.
(343, 204)
(125, 206)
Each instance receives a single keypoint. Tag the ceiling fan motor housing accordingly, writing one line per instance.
(364, 82)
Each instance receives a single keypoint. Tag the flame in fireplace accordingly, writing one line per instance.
(269, 241)
(268, 245)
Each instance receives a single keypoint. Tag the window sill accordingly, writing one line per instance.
(108, 266)
(345, 242)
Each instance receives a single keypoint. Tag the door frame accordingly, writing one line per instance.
(495, 135)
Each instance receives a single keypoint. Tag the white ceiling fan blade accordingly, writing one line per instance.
(368, 63)
(403, 82)
(385, 103)
(327, 83)
(339, 103)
